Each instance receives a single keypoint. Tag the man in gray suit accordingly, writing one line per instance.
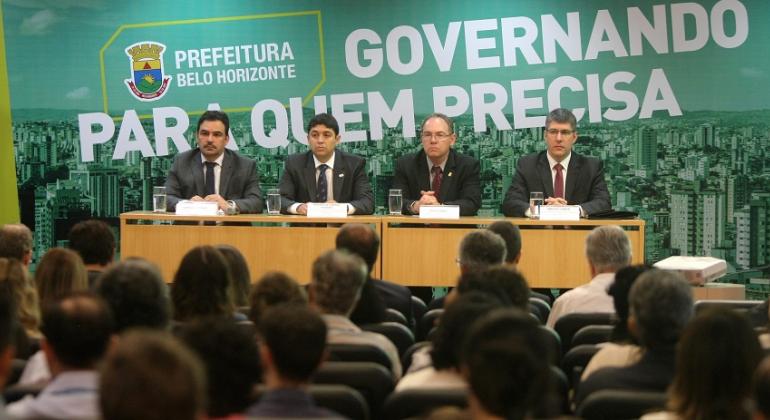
(325, 175)
(213, 173)
(564, 177)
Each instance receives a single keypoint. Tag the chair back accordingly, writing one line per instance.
(575, 361)
(372, 380)
(427, 323)
(358, 353)
(341, 399)
(394, 315)
(620, 404)
(540, 308)
(418, 309)
(411, 403)
(592, 334)
(567, 325)
(397, 333)
(738, 305)
(406, 359)
(554, 342)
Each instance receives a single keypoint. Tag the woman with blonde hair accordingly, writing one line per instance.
(60, 272)
(16, 285)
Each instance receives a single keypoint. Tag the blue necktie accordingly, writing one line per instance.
(210, 189)
(322, 189)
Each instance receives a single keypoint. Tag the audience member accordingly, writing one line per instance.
(376, 295)
(622, 350)
(660, 306)
(77, 332)
(16, 242)
(151, 376)
(274, 288)
(512, 237)
(292, 340)
(607, 250)
(239, 270)
(505, 362)
(716, 358)
(761, 390)
(231, 359)
(8, 326)
(505, 282)
(444, 369)
(203, 286)
(59, 273)
(334, 290)
(135, 292)
(95, 242)
(16, 284)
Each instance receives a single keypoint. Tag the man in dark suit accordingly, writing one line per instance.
(213, 173)
(564, 177)
(325, 175)
(437, 174)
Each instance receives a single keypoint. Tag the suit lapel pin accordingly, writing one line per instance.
(449, 174)
(341, 175)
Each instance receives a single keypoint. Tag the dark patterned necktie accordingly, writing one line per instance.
(436, 186)
(322, 189)
(558, 183)
(210, 189)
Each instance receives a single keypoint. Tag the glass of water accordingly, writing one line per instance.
(159, 199)
(395, 201)
(535, 201)
(273, 201)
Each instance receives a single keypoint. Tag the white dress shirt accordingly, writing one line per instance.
(329, 183)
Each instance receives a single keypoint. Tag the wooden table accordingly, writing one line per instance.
(423, 252)
(268, 242)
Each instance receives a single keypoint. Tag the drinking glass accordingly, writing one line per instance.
(159, 199)
(535, 201)
(395, 201)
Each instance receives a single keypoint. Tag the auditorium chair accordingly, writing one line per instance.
(393, 315)
(406, 359)
(372, 380)
(567, 325)
(418, 310)
(427, 323)
(358, 353)
(341, 399)
(540, 308)
(575, 361)
(397, 333)
(592, 334)
(412, 403)
(738, 305)
(620, 404)
(554, 342)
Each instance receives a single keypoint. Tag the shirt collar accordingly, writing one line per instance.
(329, 163)
(442, 165)
(564, 163)
(218, 160)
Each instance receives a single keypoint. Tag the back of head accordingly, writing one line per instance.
(272, 289)
(239, 270)
(296, 338)
(78, 329)
(59, 273)
(202, 285)
(94, 241)
(481, 249)
(608, 249)
(619, 290)
(152, 376)
(337, 280)
(512, 237)
(504, 282)
(15, 241)
(506, 358)
(716, 358)
(231, 359)
(361, 240)
(661, 305)
(136, 294)
(16, 285)
(455, 323)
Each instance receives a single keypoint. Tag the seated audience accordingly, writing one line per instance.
(16, 243)
(292, 341)
(17, 286)
(274, 288)
(716, 358)
(239, 269)
(231, 359)
(623, 349)
(8, 327)
(59, 273)
(505, 282)
(505, 362)
(95, 242)
(203, 286)
(77, 332)
(453, 327)
(135, 292)
(660, 307)
(607, 250)
(151, 376)
(334, 290)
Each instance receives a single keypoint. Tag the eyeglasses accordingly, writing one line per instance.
(564, 133)
(426, 135)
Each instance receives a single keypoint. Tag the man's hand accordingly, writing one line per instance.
(555, 201)
(426, 198)
(196, 198)
(219, 200)
(302, 209)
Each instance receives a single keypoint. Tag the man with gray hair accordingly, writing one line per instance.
(334, 289)
(608, 250)
(661, 305)
(16, 242)
(480, 250)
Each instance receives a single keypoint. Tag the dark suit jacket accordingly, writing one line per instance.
(585, 184)
(460, 184)
(351, 185)
(397, 297)
(238, 180)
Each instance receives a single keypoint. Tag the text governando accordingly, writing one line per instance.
(605, 99)
(677, 28)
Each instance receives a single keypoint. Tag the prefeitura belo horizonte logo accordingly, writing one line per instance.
(146, 60)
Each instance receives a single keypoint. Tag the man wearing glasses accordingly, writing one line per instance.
(324, 174)
(564, 177)
(438, 174)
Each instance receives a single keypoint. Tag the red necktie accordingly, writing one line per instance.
(436, 186)
(558, 183)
